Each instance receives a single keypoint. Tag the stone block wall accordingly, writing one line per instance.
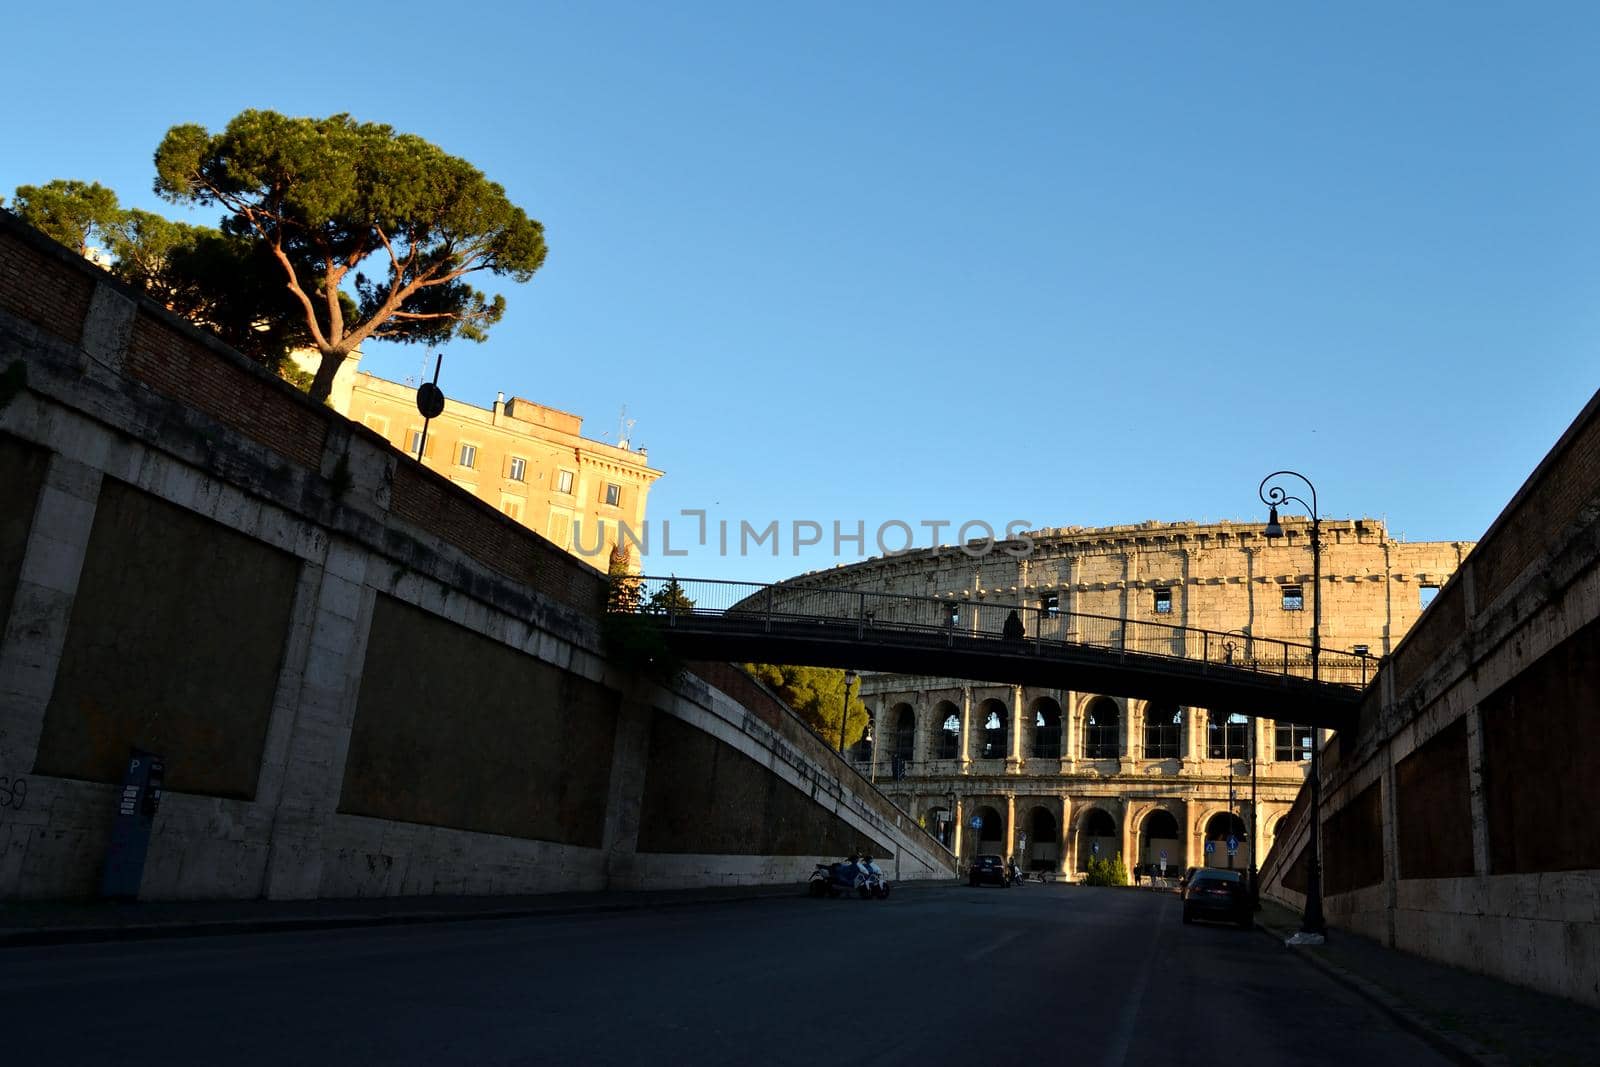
(1457, 819)
(363, 680)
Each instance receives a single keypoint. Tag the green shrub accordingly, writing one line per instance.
(1107, 872)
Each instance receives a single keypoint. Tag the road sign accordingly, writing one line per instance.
(1233, 844)
(1163, 865)
(1163, 855)
(1094, 847)
(1022, 840)
(977, 822)
(1211, 846)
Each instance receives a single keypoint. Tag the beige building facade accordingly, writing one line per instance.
(530, 461)
(1056, 777)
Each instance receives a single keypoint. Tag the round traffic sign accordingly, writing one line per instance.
(430, 400)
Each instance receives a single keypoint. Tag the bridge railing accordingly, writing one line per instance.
(875, 613)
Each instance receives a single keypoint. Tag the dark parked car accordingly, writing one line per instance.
(1213, 893)
(989, 870)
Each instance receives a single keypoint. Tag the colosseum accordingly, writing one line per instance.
(1056, 777)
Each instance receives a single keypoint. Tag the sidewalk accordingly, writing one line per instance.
(1470, 1017)
(69, 922)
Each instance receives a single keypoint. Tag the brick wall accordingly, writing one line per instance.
(38, 287)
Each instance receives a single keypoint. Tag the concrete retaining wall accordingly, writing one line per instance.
(1458, 818)
(363, 680)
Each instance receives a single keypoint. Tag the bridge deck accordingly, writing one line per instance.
(1225, 672)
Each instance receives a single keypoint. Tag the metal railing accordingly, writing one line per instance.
(882, 614)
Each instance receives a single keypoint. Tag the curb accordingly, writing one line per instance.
(1456, 1047)
(83, 935)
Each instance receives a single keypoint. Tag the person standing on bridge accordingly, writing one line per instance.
(1013, 630)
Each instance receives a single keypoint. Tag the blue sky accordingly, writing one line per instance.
(1064, 263)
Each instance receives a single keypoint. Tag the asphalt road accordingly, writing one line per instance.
(1043, 974)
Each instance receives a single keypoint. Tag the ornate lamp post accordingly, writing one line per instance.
(844, 711)
(1312, 922)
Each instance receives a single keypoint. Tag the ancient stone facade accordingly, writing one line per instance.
(1055, 777)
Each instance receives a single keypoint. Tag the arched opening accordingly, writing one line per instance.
(1159, 838)
(1227, 737)
(861, 751)
(992, 734)
(905, 732)
(1044, 841)
(1163, 730)
(986, 830)
(1046, 729)
(1102, 727)
(948, 717)
(1219, 828)
(1098, 838)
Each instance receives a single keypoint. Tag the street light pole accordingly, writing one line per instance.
(1312, 922)
(1255, 818)
(844, 712)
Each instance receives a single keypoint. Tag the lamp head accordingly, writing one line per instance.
(1274, 528)
(849, 679)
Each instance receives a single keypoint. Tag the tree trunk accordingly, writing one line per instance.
(322, 383)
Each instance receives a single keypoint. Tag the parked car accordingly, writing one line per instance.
(1214, 893)
(1188, 874)
(989, 870)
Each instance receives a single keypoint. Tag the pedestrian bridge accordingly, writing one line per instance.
(1230, 672)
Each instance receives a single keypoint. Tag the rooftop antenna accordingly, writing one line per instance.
(624, 427)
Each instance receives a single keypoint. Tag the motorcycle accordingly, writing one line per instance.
(876, 881)
(832, 879)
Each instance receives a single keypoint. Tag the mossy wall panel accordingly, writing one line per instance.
(174, 645)
(454, 729)
(22, 468)
(703, 796)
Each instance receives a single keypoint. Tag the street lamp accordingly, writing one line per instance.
(844, 712)
(1312, 922)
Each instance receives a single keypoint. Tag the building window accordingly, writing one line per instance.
(1163, 602)
(415, 445)
(1047, 730)
(560, 528)
(1050, 604)
(564, 482)
(1227, 738)
(1294, 598)
(613, 494)
(1425, 595)
(1102, 725)
(1291, 742)
(1163, 728)
(950, 736)
(519, 469)
(376, 423)
(512, 507)
(469, 456)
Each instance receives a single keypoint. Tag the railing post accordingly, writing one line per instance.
(861, 615)
(767, 622)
